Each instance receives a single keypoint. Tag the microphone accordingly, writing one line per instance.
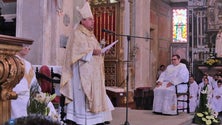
(107, 31)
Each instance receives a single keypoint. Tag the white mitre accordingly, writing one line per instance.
(85, 11)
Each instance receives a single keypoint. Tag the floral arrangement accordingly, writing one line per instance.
(212, 61)
(208, 118)
(38, 101)
(205, 115)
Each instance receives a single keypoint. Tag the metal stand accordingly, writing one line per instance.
(127, 71)
(127, 82)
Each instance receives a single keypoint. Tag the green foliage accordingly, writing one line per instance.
(38, 101)
(204, 114)
(35, 107)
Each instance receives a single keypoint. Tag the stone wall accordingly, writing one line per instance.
(50, 30)
(49, 24)
(161, 31)
(142, 66)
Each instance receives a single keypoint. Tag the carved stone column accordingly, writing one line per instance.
(11, 72)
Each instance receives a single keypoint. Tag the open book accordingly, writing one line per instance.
(109, 46)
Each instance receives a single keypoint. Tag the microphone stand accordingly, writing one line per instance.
(127, 70)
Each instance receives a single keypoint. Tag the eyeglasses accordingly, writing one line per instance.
(28, 48)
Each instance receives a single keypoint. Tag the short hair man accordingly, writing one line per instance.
(165, 100)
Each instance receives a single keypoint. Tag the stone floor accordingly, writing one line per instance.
(146, 117)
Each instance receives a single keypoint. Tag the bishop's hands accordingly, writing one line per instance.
(169, 84)
(97, 52)
(158, 84)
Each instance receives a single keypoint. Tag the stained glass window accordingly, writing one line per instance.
(179, 25)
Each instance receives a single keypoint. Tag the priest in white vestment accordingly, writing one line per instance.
(217, 97)
(22, 89)
(193, 89)
(83, 78)
(165, 99)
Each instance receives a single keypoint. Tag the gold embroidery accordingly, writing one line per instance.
(173, 107)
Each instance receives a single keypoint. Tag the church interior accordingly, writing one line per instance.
(149, 33)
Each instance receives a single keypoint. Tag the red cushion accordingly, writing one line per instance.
(56, 100)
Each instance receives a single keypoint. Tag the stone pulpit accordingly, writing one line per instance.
(11, 72)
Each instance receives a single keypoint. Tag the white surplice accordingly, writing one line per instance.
(19, 106)
(165, 99)
(217, 103)
(193, 96)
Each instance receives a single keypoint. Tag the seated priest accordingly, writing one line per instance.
(165, 99)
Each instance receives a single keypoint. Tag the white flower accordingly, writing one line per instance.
(215, 114)
(208, 122)
(38, 101)
(210, 117)
(206, 113)
(208, 105)
(40, 97)
(200, 115)
(44, 97)
(54, 116)
(204, 91)
(216, 121)
(204, 119)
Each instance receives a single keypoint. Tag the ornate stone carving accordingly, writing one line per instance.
(214, 14)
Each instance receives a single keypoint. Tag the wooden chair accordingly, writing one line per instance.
(185, 94)
(44, 78)
(56, 79)
(53, 79)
